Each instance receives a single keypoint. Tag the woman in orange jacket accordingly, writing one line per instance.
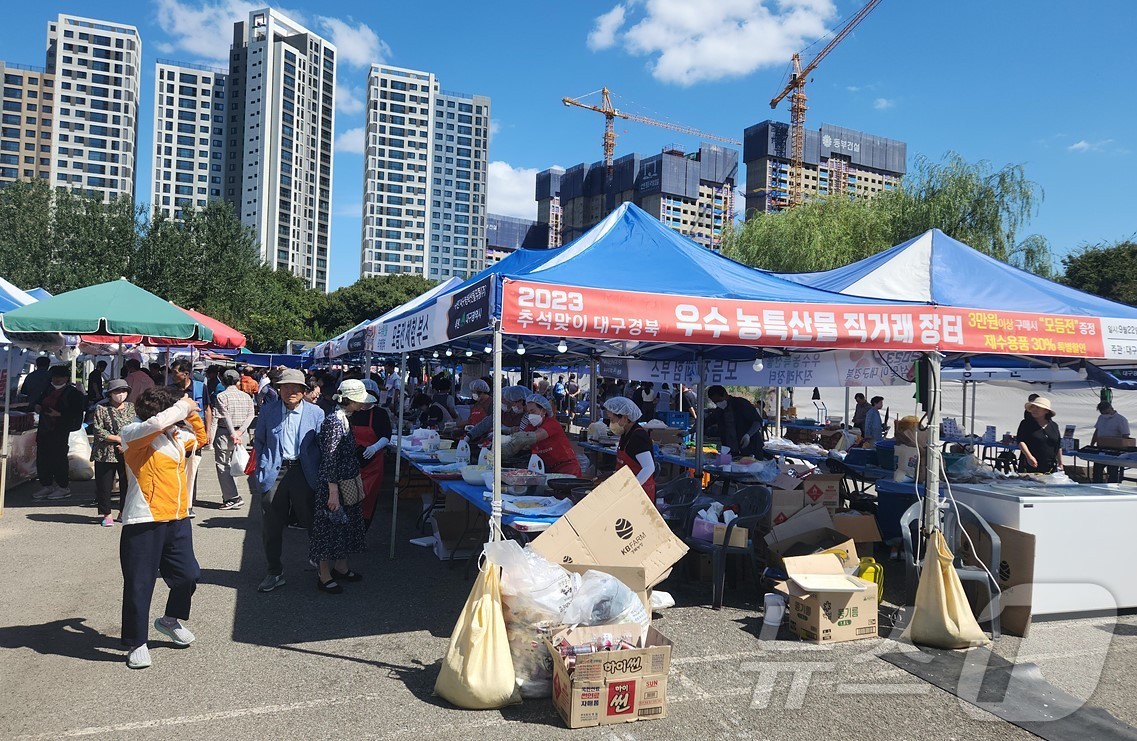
(156, 534)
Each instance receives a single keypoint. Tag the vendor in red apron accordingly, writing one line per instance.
(635, 449)
(552, 446)
(371, 427)
(483, 402)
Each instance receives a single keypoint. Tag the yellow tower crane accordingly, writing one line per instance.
(611, 113)
(796, 86)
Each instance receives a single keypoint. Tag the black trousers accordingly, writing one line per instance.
(1107, 474)
(290, 493)
(104, 481)
(51, 457)
(143, 550)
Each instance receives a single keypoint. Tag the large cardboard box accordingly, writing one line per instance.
(1014, 572)
(858, 526)
(1117, 443)
(611, 686)
(615, 525)
(666, 435)
(785, 503)
(825, 604)
(824, 489)
(809, 531)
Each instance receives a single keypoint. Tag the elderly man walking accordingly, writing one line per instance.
(233, 410)
(287, 449)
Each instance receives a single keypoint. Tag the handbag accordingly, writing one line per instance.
(351, 491)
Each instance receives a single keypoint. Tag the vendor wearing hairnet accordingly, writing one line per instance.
(483, 402)
(635, 447)
(552, 446)
(512, 412)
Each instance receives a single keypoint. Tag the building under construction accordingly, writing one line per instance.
(835, 160)
(693, 193)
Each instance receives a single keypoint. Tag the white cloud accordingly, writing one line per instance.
(495, 126)
(349, 100)
(1087, 146)
(203, 29)
(692, 42)
(350, 141)
(883, 104)
(512, 190)
(853, 88)
(603, 34)
(359, 45)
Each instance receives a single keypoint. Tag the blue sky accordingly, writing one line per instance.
(1044, 84)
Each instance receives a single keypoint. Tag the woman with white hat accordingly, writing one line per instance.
(337, 521)
(1039, 439)
(371, 426)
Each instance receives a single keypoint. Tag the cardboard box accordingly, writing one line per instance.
(616, 525)
(1014, 572)
(828, 616)
(611, 686)
(809, 531)
(784, 504)
(824, 489)
(1117, 443)
(448, 530)
(666, 435)
(858, 526)
(739, 536)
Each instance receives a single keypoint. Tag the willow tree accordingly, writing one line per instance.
(972, 202)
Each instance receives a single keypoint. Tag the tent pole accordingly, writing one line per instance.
(932, 453)
(847, 419)
(7, 414)
(593, 388)
(778, 411)
(398, 451)
(495, 510)
(702, 413)
(974, 389)
(367, 363)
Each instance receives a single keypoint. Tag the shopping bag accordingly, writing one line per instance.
(239, 461)
(477, 673)
(251, 466)
(942, 616)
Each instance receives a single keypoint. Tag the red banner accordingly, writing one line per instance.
(565, 311)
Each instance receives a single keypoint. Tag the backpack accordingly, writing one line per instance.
(559, 388)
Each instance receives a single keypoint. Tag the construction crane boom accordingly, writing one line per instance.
(611, 113)
(795, 88)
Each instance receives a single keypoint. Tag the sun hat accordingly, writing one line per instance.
(1041, 402)
(291, 376)
(118, 385)
(353, 390)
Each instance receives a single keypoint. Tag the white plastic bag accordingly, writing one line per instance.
(602, 599)
(79, 466)
(238, 461)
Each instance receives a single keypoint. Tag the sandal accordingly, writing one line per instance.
(330, 586)
(349, 575)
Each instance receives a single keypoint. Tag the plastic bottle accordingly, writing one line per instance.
(870, 570)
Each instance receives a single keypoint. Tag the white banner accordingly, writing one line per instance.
(451, 316)
(823, 369)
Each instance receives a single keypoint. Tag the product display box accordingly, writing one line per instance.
(609, 687)
(825, 604)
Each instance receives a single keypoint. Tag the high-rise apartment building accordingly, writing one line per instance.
(507, 234)
(693, 193)
(189, 136)
(835, 160)
(279, 128)
(79, 111)
(425, 177)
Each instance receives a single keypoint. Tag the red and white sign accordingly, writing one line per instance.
(593, 313)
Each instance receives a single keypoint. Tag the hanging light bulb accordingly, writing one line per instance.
(520, 349)
(562, 347)
(436, 353)
(1082, 370)
(449, 352)
(487, 349)
(469, 353)
(759, 364)
(967, 365)
(1054, 364)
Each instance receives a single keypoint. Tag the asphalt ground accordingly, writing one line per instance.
(297, 663)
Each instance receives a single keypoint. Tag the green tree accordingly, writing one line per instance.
(972, 202)
(281, 308)
(367, 298)
(25, 232)
(1109, 271)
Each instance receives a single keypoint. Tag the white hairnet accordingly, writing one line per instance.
(514, 393)
(540, 401)
(480, 387)
(623, 406)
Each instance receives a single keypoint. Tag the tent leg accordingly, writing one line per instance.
(398, 451)
(974, 389)
(778, 412)
(367, 363)
(495, 510)
(699, 393)
(4, 450)
(932, 453)
(846, 419)
(593, 387)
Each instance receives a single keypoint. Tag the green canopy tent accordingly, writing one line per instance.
(117, 308)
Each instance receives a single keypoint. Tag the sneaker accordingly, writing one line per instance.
(176, 632)
(59, 494)
(271, 582)
(44, 493)
(139, 658)
(192, 514)
(108, 521)
(233, 504)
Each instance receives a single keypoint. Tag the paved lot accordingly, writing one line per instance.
(297, 663)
